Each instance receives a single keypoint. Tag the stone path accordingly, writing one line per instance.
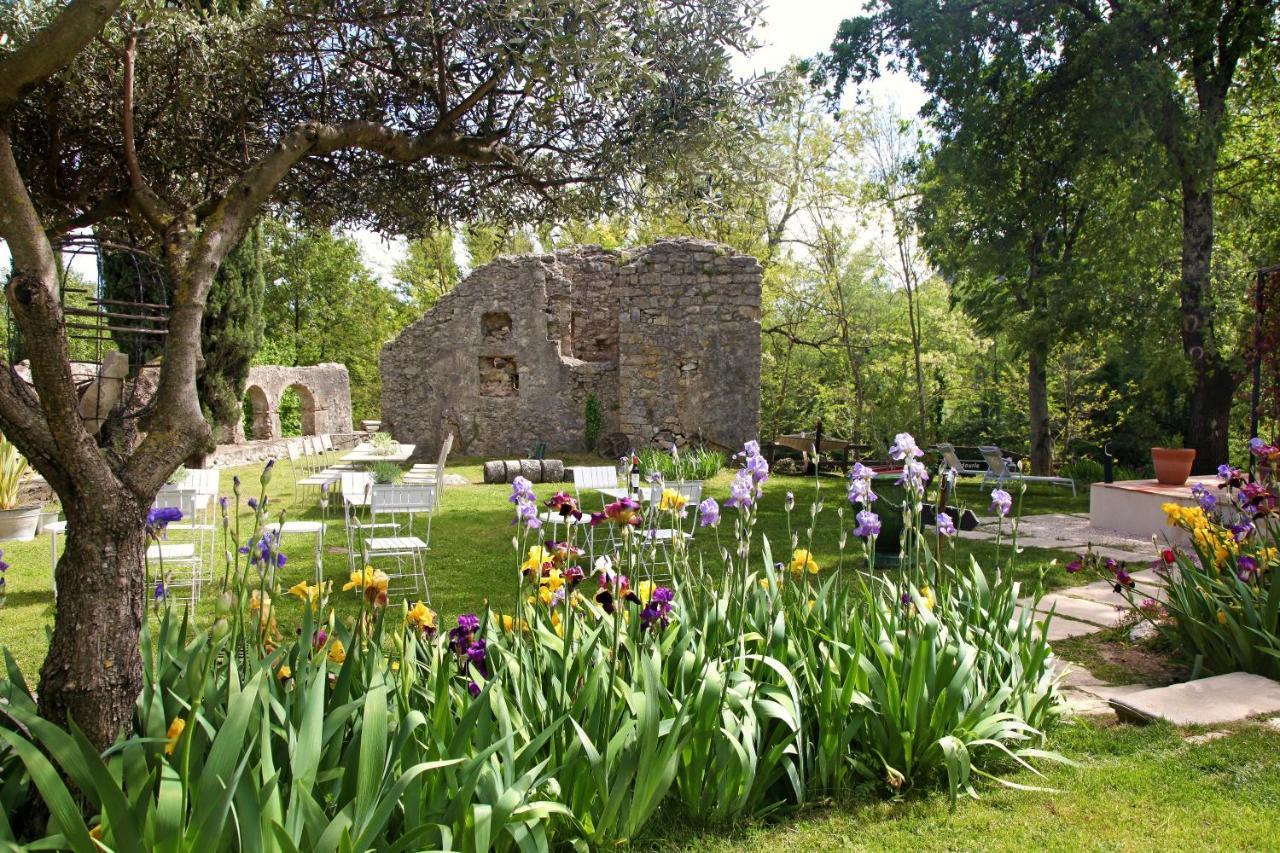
(1064, 532)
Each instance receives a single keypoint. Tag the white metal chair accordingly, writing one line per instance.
(691, 490)
(298, 529)
(408, 502)
(432, 473)
(177, 556)
(1000, 469)
(598, 478)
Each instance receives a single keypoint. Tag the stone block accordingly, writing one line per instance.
(1206, 702)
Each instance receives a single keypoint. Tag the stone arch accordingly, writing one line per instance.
(307, 403)
(265, 423)
(323, 390)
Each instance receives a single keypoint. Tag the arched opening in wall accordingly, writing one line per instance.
(257, 414)
(297, 411)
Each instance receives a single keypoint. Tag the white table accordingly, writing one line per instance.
(364, 452)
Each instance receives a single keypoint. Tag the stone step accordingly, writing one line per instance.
(1206, 702)
(1104, 592)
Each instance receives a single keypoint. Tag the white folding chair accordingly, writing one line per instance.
(177, 555)
(597, 478)
(691, 490)
(298, 529)
(432, 473)
(658, 542)
(396, 502)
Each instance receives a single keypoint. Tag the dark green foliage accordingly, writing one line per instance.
(591, 422)
(232, 330)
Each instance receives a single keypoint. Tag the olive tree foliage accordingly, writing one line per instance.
(186, 125)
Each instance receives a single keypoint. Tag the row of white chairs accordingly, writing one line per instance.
(379, 520)
(314, 464)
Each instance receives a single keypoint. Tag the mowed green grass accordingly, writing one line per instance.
(1135, 788)
(472, 561)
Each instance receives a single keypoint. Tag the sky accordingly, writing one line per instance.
(790, 28)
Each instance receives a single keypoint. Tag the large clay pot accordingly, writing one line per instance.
(1172, 464)
(19, 523)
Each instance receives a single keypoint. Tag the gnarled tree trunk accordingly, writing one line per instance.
(93, 671)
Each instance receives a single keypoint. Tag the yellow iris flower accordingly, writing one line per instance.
(175, 731)
(337, 652)
(672, 501)
(421, 617)
(802, 561)
(304, 591)
(370, 577)
(537, 556)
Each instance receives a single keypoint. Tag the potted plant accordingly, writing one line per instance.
(16, 522)
(48, 515)
(1172, 464)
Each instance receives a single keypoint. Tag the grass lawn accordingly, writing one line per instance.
(1135, 788)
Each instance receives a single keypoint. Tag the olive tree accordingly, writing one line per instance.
(185, 126)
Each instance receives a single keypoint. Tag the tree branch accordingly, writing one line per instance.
(52, 48)
(149, 205)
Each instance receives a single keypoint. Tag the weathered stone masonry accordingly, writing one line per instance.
(667, 337)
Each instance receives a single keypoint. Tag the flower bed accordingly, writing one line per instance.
(600, 692)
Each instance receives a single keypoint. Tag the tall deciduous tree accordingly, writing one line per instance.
(1177, 64)
(373, 112)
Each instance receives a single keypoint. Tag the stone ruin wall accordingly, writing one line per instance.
(667, 337)
(324, 390)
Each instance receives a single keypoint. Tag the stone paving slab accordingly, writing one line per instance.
(1206, 702)
(1105, 593)
(1061, 628)
(1081, 704)
(1077, 530)
(1081, 610)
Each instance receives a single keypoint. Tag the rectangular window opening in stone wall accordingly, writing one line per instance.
(495, 326)
(499, 376)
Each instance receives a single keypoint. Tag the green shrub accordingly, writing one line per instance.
(592, 422)
(386, 472)
(1083, 471)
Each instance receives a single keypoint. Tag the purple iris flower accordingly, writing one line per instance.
(860, 491)
(1242, 531)
(476, 652)
(868, 524)
(758, 466)
(913, 477)
(1247, 569)
(473, 689)
(946, 526)
(521, 491)
(789, 503)
(742, 490)
(469, 623)
(223, 503)
(161, 592)
(4, 567)
(1001, 502)
(527, 514)
(162, 516)
(253, 503)
(709, 511)
(1074, 566)
(1208, 500)
(904, 447)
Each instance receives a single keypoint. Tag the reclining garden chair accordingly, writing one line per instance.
(1001, 469)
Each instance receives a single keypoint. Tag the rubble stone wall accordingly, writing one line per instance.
(667, 337)
(323, 389)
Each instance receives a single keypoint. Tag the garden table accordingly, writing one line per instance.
(364, 453)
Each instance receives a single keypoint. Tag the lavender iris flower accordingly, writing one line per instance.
(1001, 502)
(868, 524)
(946, 526)
(742, 490)
(709, 511)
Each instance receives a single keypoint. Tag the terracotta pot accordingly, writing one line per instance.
(1172, 464)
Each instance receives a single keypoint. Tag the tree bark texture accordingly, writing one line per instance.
(1038, 408)
(93, 671)
(1213, 383)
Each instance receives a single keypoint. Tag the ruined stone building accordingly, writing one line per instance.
(666, 338)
